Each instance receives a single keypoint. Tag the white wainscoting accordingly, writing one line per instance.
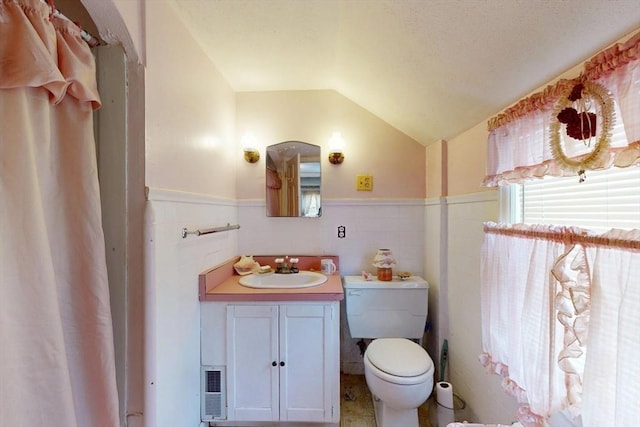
(487, 402)
(172, 342)
(397, 224)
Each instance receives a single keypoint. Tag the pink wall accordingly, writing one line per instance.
(190, 112)
(396, 161)
(131, 12)
(466, 162)
(436, 178)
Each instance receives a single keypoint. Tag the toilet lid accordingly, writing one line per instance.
(399, 357)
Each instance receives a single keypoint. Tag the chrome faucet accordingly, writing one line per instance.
(286, 265)
(282, 265)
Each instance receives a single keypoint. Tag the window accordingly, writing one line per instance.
(542, 280)
(606, 199)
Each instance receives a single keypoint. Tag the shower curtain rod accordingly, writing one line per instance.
(91, 40)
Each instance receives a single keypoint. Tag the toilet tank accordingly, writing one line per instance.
(394, 309)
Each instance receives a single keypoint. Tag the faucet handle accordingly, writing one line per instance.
(294, 265)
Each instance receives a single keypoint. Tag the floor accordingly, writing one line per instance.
(356, 407)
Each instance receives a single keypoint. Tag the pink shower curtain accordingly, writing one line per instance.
(57, 364)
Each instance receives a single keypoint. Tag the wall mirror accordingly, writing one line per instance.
(293, 180)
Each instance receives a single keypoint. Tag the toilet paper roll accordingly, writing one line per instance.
(444, 394)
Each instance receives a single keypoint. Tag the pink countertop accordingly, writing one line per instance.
(220, 283)
(231, 290)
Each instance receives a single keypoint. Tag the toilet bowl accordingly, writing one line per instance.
(399, 374)
(398, 371)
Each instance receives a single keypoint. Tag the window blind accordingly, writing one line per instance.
(606, 199)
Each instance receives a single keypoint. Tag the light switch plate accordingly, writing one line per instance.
(364, 182)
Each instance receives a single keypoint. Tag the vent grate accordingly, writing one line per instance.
(213, 405)
(213, 400)
(213, 382)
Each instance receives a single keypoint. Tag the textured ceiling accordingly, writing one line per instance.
(431, 68)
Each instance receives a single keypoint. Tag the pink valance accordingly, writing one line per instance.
(39, 50)
(609, 60)
(538, 101)
(519, 138)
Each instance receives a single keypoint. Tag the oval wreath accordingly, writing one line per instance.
(581, 125)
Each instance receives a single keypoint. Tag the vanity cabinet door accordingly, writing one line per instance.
(306, 339)
(252, 362)
(283, 362)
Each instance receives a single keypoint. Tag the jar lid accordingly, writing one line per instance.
(384, 259)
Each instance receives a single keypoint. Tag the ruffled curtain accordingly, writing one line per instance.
(560, 320)
(57, 359)
(518, 146)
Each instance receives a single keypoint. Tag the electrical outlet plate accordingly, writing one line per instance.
(364, 182)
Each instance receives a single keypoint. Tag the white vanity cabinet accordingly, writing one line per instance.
(282, 360)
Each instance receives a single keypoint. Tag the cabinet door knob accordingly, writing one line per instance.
(274, 363)
(281, 363)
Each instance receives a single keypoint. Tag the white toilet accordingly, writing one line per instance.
(398, 371)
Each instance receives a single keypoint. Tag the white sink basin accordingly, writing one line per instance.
(303, 279)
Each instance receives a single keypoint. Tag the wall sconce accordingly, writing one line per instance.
(251, 155)
(336, 147)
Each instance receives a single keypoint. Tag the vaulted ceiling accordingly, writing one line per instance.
(431, 68)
